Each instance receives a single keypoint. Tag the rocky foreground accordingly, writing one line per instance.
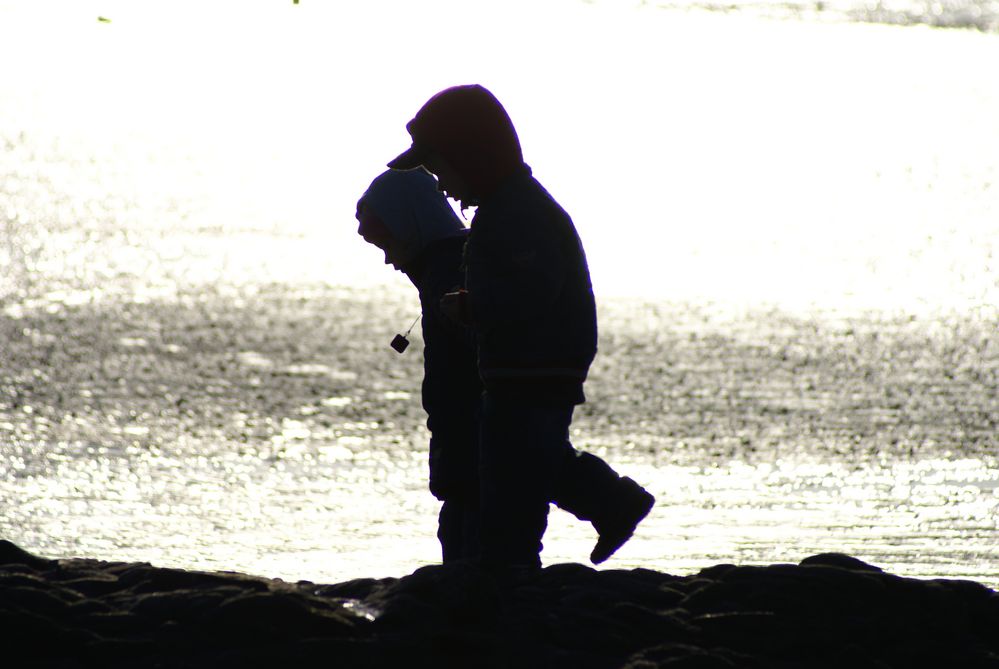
(829, 611)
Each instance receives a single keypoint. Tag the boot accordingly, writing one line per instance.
(615, 526)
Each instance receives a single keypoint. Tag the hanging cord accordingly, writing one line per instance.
(413, 325)
(399, 343)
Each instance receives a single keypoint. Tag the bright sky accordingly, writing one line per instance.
(700, 155)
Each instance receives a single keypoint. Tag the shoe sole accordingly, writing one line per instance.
(597, 556)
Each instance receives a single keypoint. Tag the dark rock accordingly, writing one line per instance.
(356, 589)
(716, 572)
(118, 624)
(461, 594)
(10, 554)
(719, 597)
(143, 579)
(404, 611)
(112, 652)
(558, 575)
(683, 656)
(275, 615)
(45, 602)
(839, 560)
(93, 586)
(178, 605)
(829, 612)
(86, 607)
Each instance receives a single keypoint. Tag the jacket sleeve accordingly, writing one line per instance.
(515, 272)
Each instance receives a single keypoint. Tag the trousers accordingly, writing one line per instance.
(525, 461)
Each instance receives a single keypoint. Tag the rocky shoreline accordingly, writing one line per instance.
(830, 610)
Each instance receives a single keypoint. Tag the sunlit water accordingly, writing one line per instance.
(791, 226)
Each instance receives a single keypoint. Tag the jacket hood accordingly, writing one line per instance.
(415, 213)
(471, 130)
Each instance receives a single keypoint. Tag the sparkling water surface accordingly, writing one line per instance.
(791, 226)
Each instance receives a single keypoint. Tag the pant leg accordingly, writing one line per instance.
(449, 531)
(586, 485)
(454, 479)
(457, 529)
(522, 448)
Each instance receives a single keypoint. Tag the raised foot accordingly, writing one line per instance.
(633, 504)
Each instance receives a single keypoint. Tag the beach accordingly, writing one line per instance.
(791, 226)
(246, 433)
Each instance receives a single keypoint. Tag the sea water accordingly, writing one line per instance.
(791, 225)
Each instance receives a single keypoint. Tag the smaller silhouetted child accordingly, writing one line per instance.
(405, 215)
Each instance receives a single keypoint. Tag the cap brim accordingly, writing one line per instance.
(409, 159)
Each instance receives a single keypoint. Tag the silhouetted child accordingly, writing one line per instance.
(405, 215)
(529, 301)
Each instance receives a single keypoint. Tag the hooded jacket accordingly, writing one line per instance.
(451, 385)
(471, 129)
(529, 290)
(529, 294)
(419, 217)
(413, 211)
